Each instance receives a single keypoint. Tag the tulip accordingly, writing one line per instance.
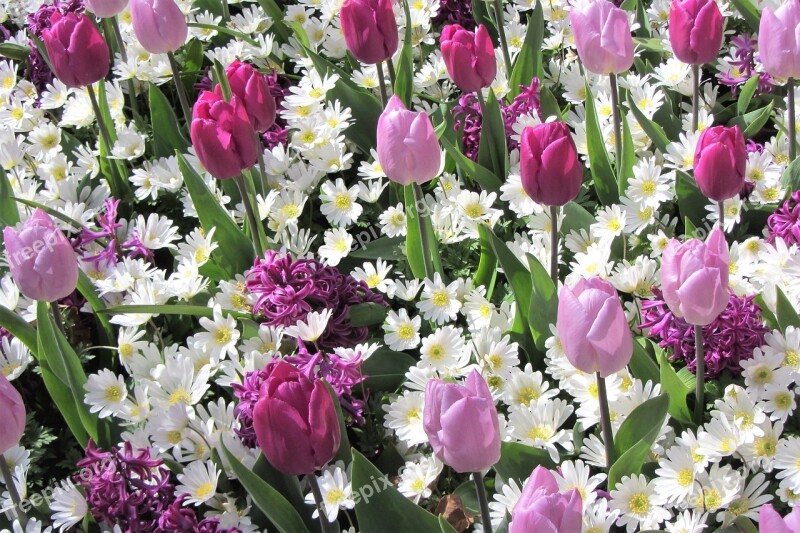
(370, 29)
(408, 149)
(603, 37)
(461, 423)
(106, 8)
(769, 521)
(78, 54)
(295, 422)
(779, 41)
(13, 410)
(720, 159)
(251, 88)
(469, 57)
(542, 508)
(41, 259)
(159, 25)
(695, 30)
(549, 165)
(222, 135)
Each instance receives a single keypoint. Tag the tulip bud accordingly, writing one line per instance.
(41, 259)
(295, 421)
(106, 8)
(694, 278)
(159, 25)
(469, 57)
(549, 166)
(593, 328)
(542, 508)
(13, 410)
(78, 54)
(720, 159)
(370, 29)
(461, 423)
(222, 135)
(769, 521)
(408, 149)
(251, 88)
(603, 37)
(695, 30)
(779, 42)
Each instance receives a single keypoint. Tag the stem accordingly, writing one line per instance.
(57, 318)
(419, 200)
(617, 122)
(695, 97)
(482, 103)
(605, 420)
(184, 99)
(261, 165)
(251, 216)
(323, 520)
(554, 245)
(12, 491)
(498, 14)
(101, 125)
(392, 75)
(700, 374)
(792, 120)
(382, 83)
(124, 55)
(721, 221)
(486, 517)
(226, 12)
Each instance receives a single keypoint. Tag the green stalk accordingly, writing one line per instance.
(480, 489)
(605, 421)
(325, 526)
(382, 84)
(498, 15)
(252, 221)
(184, 99)
(695, 97)
(700, 374)
(617, 123)
(12, 491)
(419, 200)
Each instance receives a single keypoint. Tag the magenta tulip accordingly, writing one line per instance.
(695, 30)
(295, 422)
(720, 159)
(41, 259)
(779, 40)
(694, 278)
(541, 508)
(106, 8)
(593, 328)
(461, 423)
(222, 135)
(159, 25)
(78, 54)
(408, 149)
(769, 521)
(549, 166)
(13, 409)
(469, 57)
(251, 88)
(370, 29)
(603, 37)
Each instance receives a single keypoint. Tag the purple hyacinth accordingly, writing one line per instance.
(729, 339)
(745, 63)
(105, 236)
(785, 221)
(455, 12)
(248, 393)
(278, 133)
(180, 519)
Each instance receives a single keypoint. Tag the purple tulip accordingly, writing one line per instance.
(252, 89)
(541, 508)
(13, 410)
(603, 37)
(106, 8)
(370, 29)
(549, 165)
(769, 521)
(159, 25)
(779, 40)
(720, 159)
(695, 30)
(469, 57)
(78, 54)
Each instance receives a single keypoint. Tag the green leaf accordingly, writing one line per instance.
(756, 120)
(287, 486)
(791, 176)
(628, 463)
(576, 218)
(379, 503)
(544, 303)
(746, 94)
(786, 314)
(9, 214)
(691, 202)
(86, 288)
(529, 60)
(366, 314)
(605, 182)
(654, 132)
(549, 104)
(649, 44)
(641, 364)
(171, 309)
(167, 136)
(14, 52)
(518, 460)
(380, 248)
(636, 436)
(766, 313)
(65, 402)
(271, 502)
(749, 13)
(19, 328)
(274, 11)
(414, 251)
(486, 275)
(689, 229)
(235, 252)
(475, 171)
(492, 151)
(628, 156)
(404, 80)
(677, 390)
(343, 453)
(386, 370)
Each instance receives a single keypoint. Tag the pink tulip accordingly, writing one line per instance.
(769, 521)
(408, 149)
(603, 37)
(461, 423)
(41, 259)
(549, 165)
(541, 508)
(694, 278)
(106, 8)
(593, 328)
(370, 29)
(779, 40)
(13, 409)
(251, 88)
(695, 30)
(720, 159)
(222, 135)
(469, 57)
(295, 422)
(159, 25)
(78, 54)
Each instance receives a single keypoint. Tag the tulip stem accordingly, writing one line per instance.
(261, 165)
(226, 12)
(486, 517)
(617, 123)
(251, 216)
(695, 97)
(184, 99)
(721, 210)
(501, 32)
(419, 201)
(390, 67)
(323, 519)
(792, 119)
(57, 318)
(12, 491)
(382, 84)
(554, 245)
(700, 374)
(114, 25)
(605, 420)
(100, 123)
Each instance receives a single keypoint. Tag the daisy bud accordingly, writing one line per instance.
(720, 159)
(408, 148)
(542, 508)
(603, 37)
(694, 278)
(769, 521)
(549, 166)
(695, 30)
(370, 29)
(295, 422)
(159, 25)
(593, 328)
(77, 51)
(461, 423)
(469, 57)
(106, 8)
(779, 42)
(41, 259)
(252, 89)
(13, 410)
